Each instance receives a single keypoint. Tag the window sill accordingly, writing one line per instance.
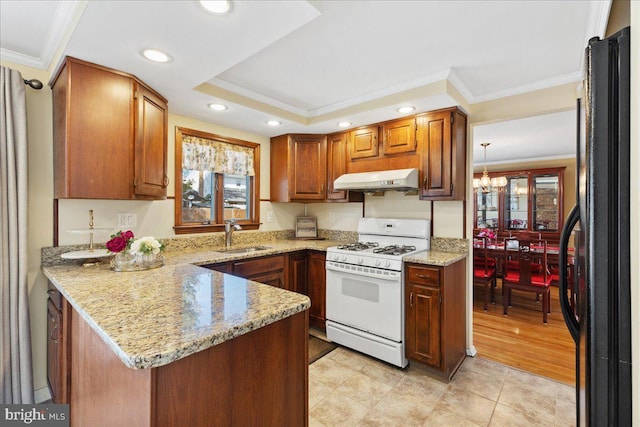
(211, 228)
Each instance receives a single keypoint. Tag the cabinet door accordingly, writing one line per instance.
(298, 273)
(363, 142)
(336, 164)
(399, 136)
(316, 288)
(423, 324)
(546, 202)
(93, 133)
(308, 163)
(54, 318)
(150, 144)
(516, 203)
(58, 367)
(274, 278)
(435, 132)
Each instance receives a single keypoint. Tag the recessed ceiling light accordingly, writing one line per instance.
(273, 123)
(156, 55)
(405, 109)
(220, 7)
(218, 107)
(344, 124)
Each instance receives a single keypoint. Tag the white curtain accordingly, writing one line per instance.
(15, 339)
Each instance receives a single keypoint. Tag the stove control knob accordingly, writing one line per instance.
(360, 260)
(377, 263)
(344, 258)
(387, 263)
(335, 257)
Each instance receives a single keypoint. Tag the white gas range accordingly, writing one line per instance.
(365, 286)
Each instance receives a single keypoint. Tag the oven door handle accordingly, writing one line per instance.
(395, 276)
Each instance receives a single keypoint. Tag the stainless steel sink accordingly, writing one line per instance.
(246, 249)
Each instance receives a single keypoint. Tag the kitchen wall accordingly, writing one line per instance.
(448, 217)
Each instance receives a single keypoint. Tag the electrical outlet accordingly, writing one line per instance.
(332, 216)
(270, 216)
(127, 220)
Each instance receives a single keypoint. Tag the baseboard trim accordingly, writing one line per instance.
(471, 351)
(42, 395)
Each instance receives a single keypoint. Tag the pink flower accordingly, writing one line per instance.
(120, 241)
(488, 233)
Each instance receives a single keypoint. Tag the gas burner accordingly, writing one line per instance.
(394, 250)
(358, 246)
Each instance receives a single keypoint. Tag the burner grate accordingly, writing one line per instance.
(358, 246)
(394, 250)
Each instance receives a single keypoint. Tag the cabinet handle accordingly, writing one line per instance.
(55, 340)
(51, 291)
(424, 182)
(411, 299)
(422, 276)
(165, 181)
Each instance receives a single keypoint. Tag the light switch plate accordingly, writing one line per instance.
(269, 216)
(127, 220)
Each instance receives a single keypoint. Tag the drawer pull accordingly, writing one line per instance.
(422, 276)
(51, 291)
(411, 299)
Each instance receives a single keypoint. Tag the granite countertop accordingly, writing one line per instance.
(154, 317)
(435, 257)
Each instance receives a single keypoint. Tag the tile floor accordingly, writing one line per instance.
(347, 388)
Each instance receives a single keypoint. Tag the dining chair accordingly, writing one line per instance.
(484, 268)
(525, 269)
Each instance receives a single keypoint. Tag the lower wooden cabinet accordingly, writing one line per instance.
(435, 316)
(302, 272)
(58, 336)
(316, 289)
(269, 270)
(298, 272)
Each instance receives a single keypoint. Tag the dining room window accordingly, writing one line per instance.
(216, 180)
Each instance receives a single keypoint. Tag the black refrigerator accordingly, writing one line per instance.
(595, 288)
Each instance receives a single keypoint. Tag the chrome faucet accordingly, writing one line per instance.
(229, 227)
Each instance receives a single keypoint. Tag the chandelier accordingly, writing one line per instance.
(485, 183)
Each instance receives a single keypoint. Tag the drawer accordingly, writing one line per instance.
(423, 275)
(54, 295)
(256, 266)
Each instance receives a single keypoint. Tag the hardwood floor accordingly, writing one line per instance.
(521, 339)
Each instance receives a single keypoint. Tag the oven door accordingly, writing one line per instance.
(365, 298)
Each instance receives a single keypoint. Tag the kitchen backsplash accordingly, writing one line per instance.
(51, 255)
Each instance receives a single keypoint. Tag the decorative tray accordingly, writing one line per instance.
(87, 254)
(136, 263)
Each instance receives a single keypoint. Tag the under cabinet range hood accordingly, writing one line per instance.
(397, 179)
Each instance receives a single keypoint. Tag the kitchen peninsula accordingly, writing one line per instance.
(182, 345)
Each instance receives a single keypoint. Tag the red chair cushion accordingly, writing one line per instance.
(481, 273)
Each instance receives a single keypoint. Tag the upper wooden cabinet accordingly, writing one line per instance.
(337, 166)
(442, 136)
(399, 136)
(298, 168)
(110, 135)
(363, 142)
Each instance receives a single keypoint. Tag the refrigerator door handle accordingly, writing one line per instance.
(567, 312)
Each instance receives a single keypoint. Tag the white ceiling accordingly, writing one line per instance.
(311, 64)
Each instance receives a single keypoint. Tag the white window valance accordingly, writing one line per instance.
(216, 156)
